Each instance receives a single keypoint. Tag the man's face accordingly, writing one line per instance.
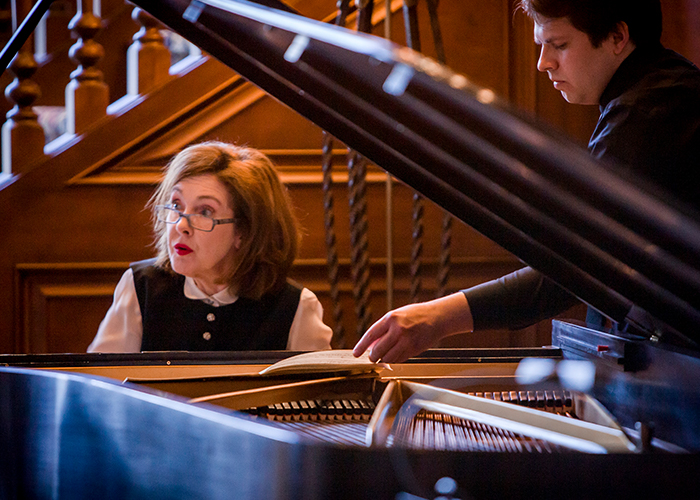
(578, 70)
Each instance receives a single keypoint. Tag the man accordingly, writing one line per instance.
(649, 120)
(604, 52)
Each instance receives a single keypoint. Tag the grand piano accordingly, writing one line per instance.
(612, 413)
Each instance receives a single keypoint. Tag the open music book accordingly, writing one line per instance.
(337, 360)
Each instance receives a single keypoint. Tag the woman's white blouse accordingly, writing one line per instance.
(121, 329)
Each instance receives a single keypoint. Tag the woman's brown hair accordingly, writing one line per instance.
(261, 206)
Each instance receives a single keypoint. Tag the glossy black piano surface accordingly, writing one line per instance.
(73, 434)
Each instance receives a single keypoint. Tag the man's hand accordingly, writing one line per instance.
(410, 330)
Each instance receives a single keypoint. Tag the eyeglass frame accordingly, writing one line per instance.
(215, 222)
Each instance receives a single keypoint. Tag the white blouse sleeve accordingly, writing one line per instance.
(308, 332)
(121, 329)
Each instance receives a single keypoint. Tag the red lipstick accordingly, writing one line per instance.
(181, 249)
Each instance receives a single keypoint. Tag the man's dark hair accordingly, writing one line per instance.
(599, 18)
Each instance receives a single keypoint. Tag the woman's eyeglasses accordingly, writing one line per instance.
(170, 215)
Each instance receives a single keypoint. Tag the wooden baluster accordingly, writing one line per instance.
(87, 95)
(338, 340)
(410, 19)
(443, 274)
(357, 170)
(357, 174)
(365, 8)
(389, 196)
(417, 248)
(446, 240)
(413, 41)
(410, 11)
(22, 136)
(147, 59)
(343, 9)
(437, 32)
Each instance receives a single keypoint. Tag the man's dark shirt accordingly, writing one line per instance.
(650, 121)
(649, 125)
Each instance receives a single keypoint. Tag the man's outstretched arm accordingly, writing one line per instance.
(410, 330)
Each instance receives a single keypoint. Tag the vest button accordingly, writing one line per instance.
(211, 317)
(206, 335)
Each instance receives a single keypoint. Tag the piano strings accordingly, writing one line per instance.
(340, 421)
(437, 431)
(344, 421)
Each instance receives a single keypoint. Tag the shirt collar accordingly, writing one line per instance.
(629, 72)
(222, 298)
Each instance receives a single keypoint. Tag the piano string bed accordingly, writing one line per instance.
(370, 410)
(345, 422)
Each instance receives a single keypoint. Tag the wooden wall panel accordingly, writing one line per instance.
(681, 23)
(62, 304)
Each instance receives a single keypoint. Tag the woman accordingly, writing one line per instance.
(226, 239)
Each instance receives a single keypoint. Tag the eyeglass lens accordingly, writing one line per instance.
(197, 221)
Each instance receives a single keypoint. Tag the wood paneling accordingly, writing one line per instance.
(61, 305)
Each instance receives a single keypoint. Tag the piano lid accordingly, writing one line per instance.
(630, 252)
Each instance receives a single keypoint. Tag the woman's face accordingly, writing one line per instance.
(203, 256)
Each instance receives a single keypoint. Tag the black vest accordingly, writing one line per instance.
(172, 322)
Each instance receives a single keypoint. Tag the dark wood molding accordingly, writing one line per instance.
(295, 167)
